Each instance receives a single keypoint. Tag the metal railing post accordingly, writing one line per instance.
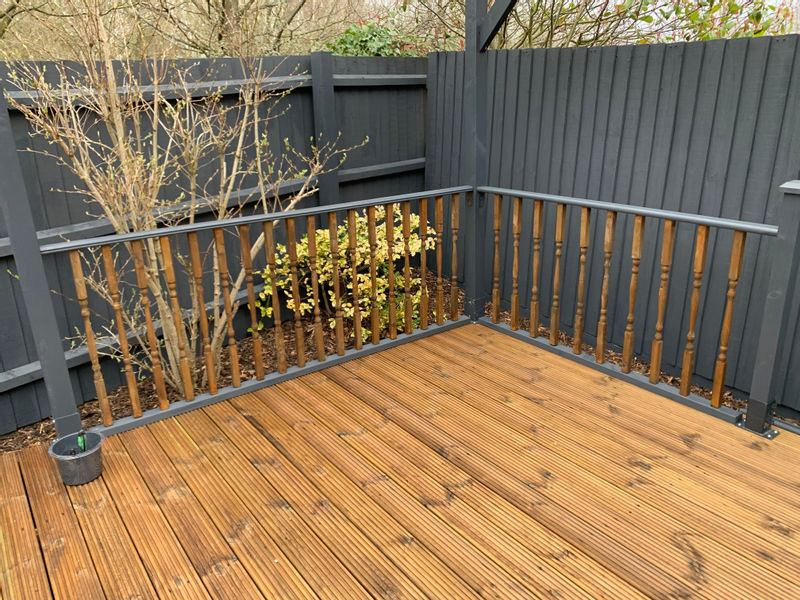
(17, 213)
(785, 259)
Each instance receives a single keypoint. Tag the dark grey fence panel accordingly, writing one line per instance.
(383, 98)
(707, 127)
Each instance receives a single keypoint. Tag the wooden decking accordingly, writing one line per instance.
(465, 465)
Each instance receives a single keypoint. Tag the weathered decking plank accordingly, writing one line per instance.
(21, 565)
(69, 566)
(719, 574)
(465, 465)
(220, 569)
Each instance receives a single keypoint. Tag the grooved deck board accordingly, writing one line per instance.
(465, 465)
(21, 564)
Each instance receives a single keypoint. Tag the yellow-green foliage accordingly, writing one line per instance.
(325, 271)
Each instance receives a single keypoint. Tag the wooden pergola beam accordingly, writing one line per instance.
(491, 22)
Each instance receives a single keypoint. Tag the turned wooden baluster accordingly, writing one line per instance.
(202, 317)
(701, 246)
(577, 342)
(734, 271)
(311, 227)
(373, 275)
(222, 260)
(177, 317)
(555, 309)
(636, 257)
(455, 202)
(152, 339)
(333, 231)
(116, 304)
(517, 230)
(353, 240)
(538, 207)
(91, 345)
(408, 314)
(291, 246)
(498, 222)
(667, 246)
(608, 251)
(390, 273)
(423, 263)
(247, 264)
(269, 250)
(439, 226)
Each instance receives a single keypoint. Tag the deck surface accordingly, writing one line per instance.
(465, 465)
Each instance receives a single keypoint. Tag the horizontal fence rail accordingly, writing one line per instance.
(668, 221)
(318, 281)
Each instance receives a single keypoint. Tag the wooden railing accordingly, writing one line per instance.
(183, 279)
(669, 221)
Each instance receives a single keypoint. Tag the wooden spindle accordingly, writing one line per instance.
(375, 323)
(390, 273)
(269, 250)
(538, 208)
(333, 231)
(577, 341)
(152, 339)
(439, 227)
(608, 251)
(202, 317)
(636, 257)
(700, 248)
(734, 272)
(319, 342)
(291, 246)
(91, 344)
(498, 222)
(247, 264)
(177, 317)
(408, 309)
(555, 309)
(423, 263)
(352, 232)
(455, 203)
(667, 247)
(233, 350)
(122, 336)
(517, 230)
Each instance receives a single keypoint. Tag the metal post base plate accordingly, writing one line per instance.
(769, 434)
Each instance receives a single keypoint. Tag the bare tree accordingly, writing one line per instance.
(145, 159)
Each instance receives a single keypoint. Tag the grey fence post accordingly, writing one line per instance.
(783, 274)
(326, 129)
(33, 282)
(476, 269)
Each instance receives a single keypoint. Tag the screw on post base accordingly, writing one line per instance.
(769, 434)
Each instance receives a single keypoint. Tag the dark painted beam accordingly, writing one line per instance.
(475, 157)
(769, 364)
(33, 282)
(492, 21)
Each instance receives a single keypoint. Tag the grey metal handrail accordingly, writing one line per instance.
(747, 226)
(249, 220)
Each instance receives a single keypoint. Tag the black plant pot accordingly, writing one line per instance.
(78, 465)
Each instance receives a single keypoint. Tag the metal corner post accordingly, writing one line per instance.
(476, 62)
(33, 282)
(326, 130)
(785, 259)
